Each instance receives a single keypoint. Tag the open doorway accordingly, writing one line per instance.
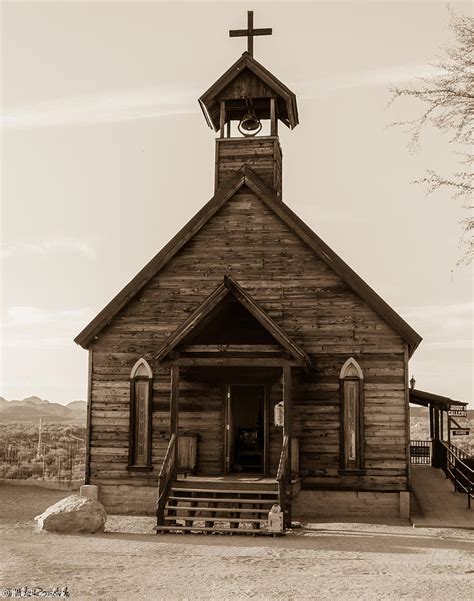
(246, 430)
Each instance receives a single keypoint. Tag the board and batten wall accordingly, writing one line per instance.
(309, 301)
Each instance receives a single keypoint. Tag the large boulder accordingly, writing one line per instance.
(73, 514)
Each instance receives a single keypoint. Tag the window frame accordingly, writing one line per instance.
(136, 377)
(351, 372)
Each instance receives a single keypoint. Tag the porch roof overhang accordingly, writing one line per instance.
(427, 399)
(232, 355)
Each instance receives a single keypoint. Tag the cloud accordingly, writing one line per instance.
(45, 246)
(465, 344)
(31, 327)
(443, 326)
(456, 313)
(113, 107)
(387, 76)
(155, 102)
(30, 315)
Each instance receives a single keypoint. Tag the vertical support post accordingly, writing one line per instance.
(287, 431)
(87, 479)
(436, 423)
(449, 429)
(229, 129)
(441, 433)
(273, 119)
(407, 419)
(222, 119)
(436, 460)
(174, 400)
(430, 409)
(287, 401)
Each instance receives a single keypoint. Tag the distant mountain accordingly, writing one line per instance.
(77, 405)
(33, 408)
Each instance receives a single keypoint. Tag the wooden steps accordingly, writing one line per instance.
(216, 519)
(220, 509)
(227, 507)
(224, 499)
(198, 529)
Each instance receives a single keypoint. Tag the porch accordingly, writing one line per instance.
(229, 344)
(437, 455)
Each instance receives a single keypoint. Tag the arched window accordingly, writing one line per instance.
(141, 392)
(351, 386)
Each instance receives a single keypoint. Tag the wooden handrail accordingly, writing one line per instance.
(454, 464)
(165, 479)
(283, 478)
(283, 458)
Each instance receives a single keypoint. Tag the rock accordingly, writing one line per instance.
(73, 514)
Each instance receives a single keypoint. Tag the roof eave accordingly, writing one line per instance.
(260, 71)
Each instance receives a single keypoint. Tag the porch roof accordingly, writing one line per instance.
(425, 399)
(230, 287)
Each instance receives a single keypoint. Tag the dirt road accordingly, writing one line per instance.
(322, 561)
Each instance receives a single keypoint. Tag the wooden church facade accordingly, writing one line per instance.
(243, 316)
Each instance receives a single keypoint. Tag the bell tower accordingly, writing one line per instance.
(245, 106)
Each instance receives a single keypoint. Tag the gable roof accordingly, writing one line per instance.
(245, 176)
(230, 287)
(209, 101)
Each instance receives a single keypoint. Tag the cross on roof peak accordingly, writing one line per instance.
(250, 32)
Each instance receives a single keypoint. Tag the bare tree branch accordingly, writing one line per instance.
(448, 96)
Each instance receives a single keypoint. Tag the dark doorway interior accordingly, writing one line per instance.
(247, 429)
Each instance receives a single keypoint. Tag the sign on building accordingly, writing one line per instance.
(460, 432)
(457, 413)
(279, 415)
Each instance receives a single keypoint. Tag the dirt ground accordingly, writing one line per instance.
(320, 561)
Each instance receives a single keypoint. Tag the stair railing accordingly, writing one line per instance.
(283, 479)
(458, 466)
(167, 475)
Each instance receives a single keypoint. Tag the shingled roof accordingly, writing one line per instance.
(246, 176)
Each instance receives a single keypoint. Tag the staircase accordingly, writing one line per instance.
(228, 506)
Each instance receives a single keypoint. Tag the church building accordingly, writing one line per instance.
(247, 365)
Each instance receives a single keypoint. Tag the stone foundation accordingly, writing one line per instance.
(141, 500)
(346, 504)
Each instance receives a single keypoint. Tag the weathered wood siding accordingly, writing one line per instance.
(262, 154)
(309, 301)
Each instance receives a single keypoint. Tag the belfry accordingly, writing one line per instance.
(247, 367)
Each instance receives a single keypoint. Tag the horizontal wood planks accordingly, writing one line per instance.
(308, 301)
(263, 155)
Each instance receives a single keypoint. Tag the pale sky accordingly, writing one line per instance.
(106, 154)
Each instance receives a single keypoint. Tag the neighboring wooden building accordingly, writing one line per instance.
(246, 308)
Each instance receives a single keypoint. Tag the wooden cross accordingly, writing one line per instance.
(250, 32)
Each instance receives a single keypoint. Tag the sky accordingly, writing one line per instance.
(106, 155)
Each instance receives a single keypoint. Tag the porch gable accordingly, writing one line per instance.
(265, 341)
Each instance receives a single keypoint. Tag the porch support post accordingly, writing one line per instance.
(287, 401)
(436, 459)
(287, 431)
(430, 408)
(174, 400)
(436, 423)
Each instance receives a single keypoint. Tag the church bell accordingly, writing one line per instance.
(250, 124)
